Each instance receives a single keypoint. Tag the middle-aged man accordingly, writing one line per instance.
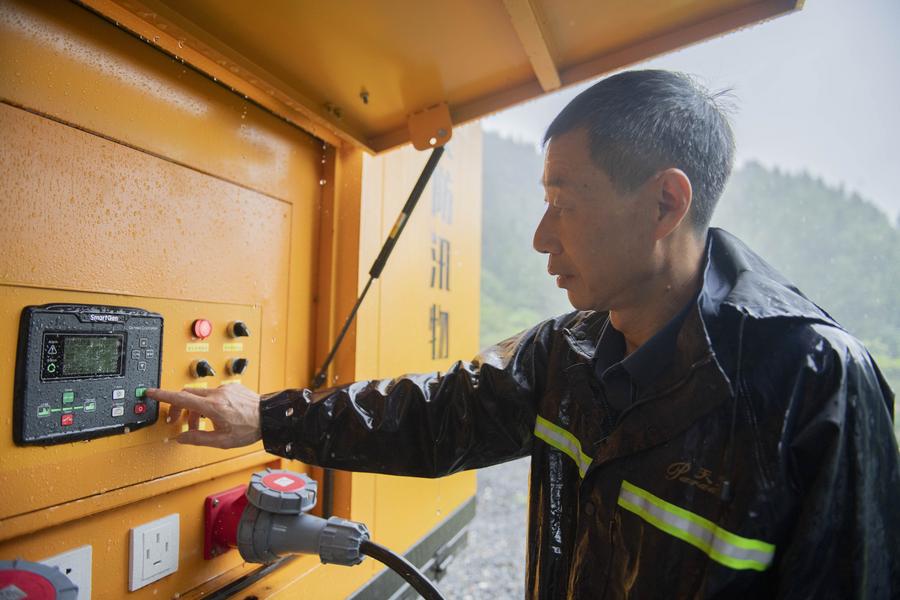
(697, 428)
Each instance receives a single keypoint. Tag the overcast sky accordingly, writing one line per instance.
(817, 90)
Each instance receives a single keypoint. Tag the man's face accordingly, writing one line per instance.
(599, 242)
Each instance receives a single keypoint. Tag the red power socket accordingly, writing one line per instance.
(221, 516)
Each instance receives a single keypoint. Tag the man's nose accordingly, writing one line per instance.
(545, 239)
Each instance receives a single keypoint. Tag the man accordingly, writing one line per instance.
(698, 428)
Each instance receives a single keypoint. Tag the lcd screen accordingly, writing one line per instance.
(91, 355)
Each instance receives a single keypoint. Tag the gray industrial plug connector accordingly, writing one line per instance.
(269, 520)
(263, 537)
(275, 522)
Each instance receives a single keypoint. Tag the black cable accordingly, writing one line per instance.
(403, 568)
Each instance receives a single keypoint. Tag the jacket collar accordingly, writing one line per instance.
(734, 278)
(756, 289)
(737, 284)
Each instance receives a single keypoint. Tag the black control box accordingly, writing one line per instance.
(81, 372)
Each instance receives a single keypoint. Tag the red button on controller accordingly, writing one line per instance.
(67, 419)
(201, 328)
(140, 408)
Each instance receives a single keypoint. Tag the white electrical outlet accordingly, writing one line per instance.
(154, 551)
(76, 565)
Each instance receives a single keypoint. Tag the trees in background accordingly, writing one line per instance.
(838, 248)
(516, 290)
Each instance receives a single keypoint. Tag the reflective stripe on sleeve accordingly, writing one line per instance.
(722, 546)
(563, 441)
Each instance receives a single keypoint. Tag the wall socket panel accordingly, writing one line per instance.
(154, 551)
(76, 565)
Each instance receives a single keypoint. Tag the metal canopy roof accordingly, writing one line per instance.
(356, 70)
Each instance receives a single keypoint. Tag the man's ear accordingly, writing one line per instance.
(674, 195)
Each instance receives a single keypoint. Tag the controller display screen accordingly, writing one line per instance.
(91, 355)
(82, 355)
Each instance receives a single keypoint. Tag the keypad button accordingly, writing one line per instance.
(90, 405)
(140, 408)
(142, 366)
(43, 410)
(149, 353)
(118, 394)
(136, 354)
(67, 419)
(144, 342)
(68, 397)
(118, 410)
(139, 392)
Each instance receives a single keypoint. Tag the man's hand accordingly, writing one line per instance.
(232, 408)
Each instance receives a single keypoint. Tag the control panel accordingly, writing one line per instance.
(81, 372)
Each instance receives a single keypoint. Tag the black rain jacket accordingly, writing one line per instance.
(762, 463)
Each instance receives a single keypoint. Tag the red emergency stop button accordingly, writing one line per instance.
(201, 329)
(67, 419)
(140, 408)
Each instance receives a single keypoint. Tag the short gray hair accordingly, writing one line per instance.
(641, 122)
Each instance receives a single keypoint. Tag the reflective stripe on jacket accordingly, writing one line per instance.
(762, 463)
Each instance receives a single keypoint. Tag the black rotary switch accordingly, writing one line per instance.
(201, 368)
(238, 329)
(236, 366)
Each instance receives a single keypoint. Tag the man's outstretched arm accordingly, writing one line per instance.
(475, 414)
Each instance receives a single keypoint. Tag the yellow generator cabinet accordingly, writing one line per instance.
(183, 190)
(131, 180)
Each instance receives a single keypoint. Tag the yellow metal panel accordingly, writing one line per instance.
(61, 60)
(361, 68)
(408, 55)
(433, 274)
(104, 217)
(35, 521)
(129, 179)
(579, 35)
(108, 532)
(42, 477)
(529, 25)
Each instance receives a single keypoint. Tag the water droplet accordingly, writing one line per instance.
(181, 43)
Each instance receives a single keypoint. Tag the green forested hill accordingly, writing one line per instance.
(516, 290)
(841, 250)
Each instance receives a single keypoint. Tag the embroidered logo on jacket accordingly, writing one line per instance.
(699, 477)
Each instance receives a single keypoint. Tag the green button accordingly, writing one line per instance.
(43, 410)
(68, 397)
(90, 406)
(139, 392)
